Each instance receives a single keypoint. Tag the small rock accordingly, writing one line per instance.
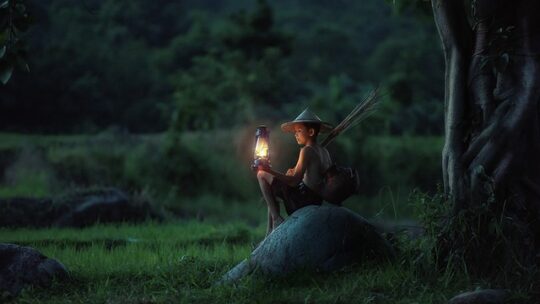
(315, 238)
(24, 266)
(77, 209)
(105, 206)
(412, 229)
(485, 296)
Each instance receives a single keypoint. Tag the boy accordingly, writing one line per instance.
(301, 185)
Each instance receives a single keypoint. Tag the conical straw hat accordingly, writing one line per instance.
(306, 117)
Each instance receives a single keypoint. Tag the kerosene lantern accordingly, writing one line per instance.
(261, 156)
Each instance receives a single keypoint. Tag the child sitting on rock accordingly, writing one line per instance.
(301, 185)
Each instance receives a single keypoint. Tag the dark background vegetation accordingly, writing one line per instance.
(162, 97)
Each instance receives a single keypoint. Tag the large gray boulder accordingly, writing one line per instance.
(24, 266)
(315, 238)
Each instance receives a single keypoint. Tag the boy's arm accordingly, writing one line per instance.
(298, 171)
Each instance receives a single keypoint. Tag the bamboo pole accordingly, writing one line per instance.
(357, 115)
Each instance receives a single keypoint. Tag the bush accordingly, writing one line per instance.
(395, 162)
(207, 163)
(174, 167)
(88, 165)
(27, 173)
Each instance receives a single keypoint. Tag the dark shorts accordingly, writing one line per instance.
(296, 197)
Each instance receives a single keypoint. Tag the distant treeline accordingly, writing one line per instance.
(145, 66)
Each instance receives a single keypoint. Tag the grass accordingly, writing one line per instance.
(34, 185)
(179, 262)
(17, 140)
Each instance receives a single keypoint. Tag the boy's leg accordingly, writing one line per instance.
(269, 223)
(274, 219)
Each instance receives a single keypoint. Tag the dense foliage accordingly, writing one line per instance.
(14, 20)
(179, 172)
(144, 66)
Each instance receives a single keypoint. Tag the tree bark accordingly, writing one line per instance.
(491, 156)
(456, 38)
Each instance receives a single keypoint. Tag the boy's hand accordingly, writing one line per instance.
(263, 167)
(290, 172)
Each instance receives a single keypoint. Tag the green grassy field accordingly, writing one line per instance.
(179, 262)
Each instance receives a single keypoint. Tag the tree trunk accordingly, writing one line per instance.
(491, 156)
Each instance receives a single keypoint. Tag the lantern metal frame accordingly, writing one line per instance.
(261, 134)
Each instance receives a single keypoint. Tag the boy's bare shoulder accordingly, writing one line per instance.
(307, 151)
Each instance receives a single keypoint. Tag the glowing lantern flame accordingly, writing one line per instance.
(261, 149)
(261, 155)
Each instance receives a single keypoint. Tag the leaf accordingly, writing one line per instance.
(2, 51)
(4, 4)
(5, 72)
